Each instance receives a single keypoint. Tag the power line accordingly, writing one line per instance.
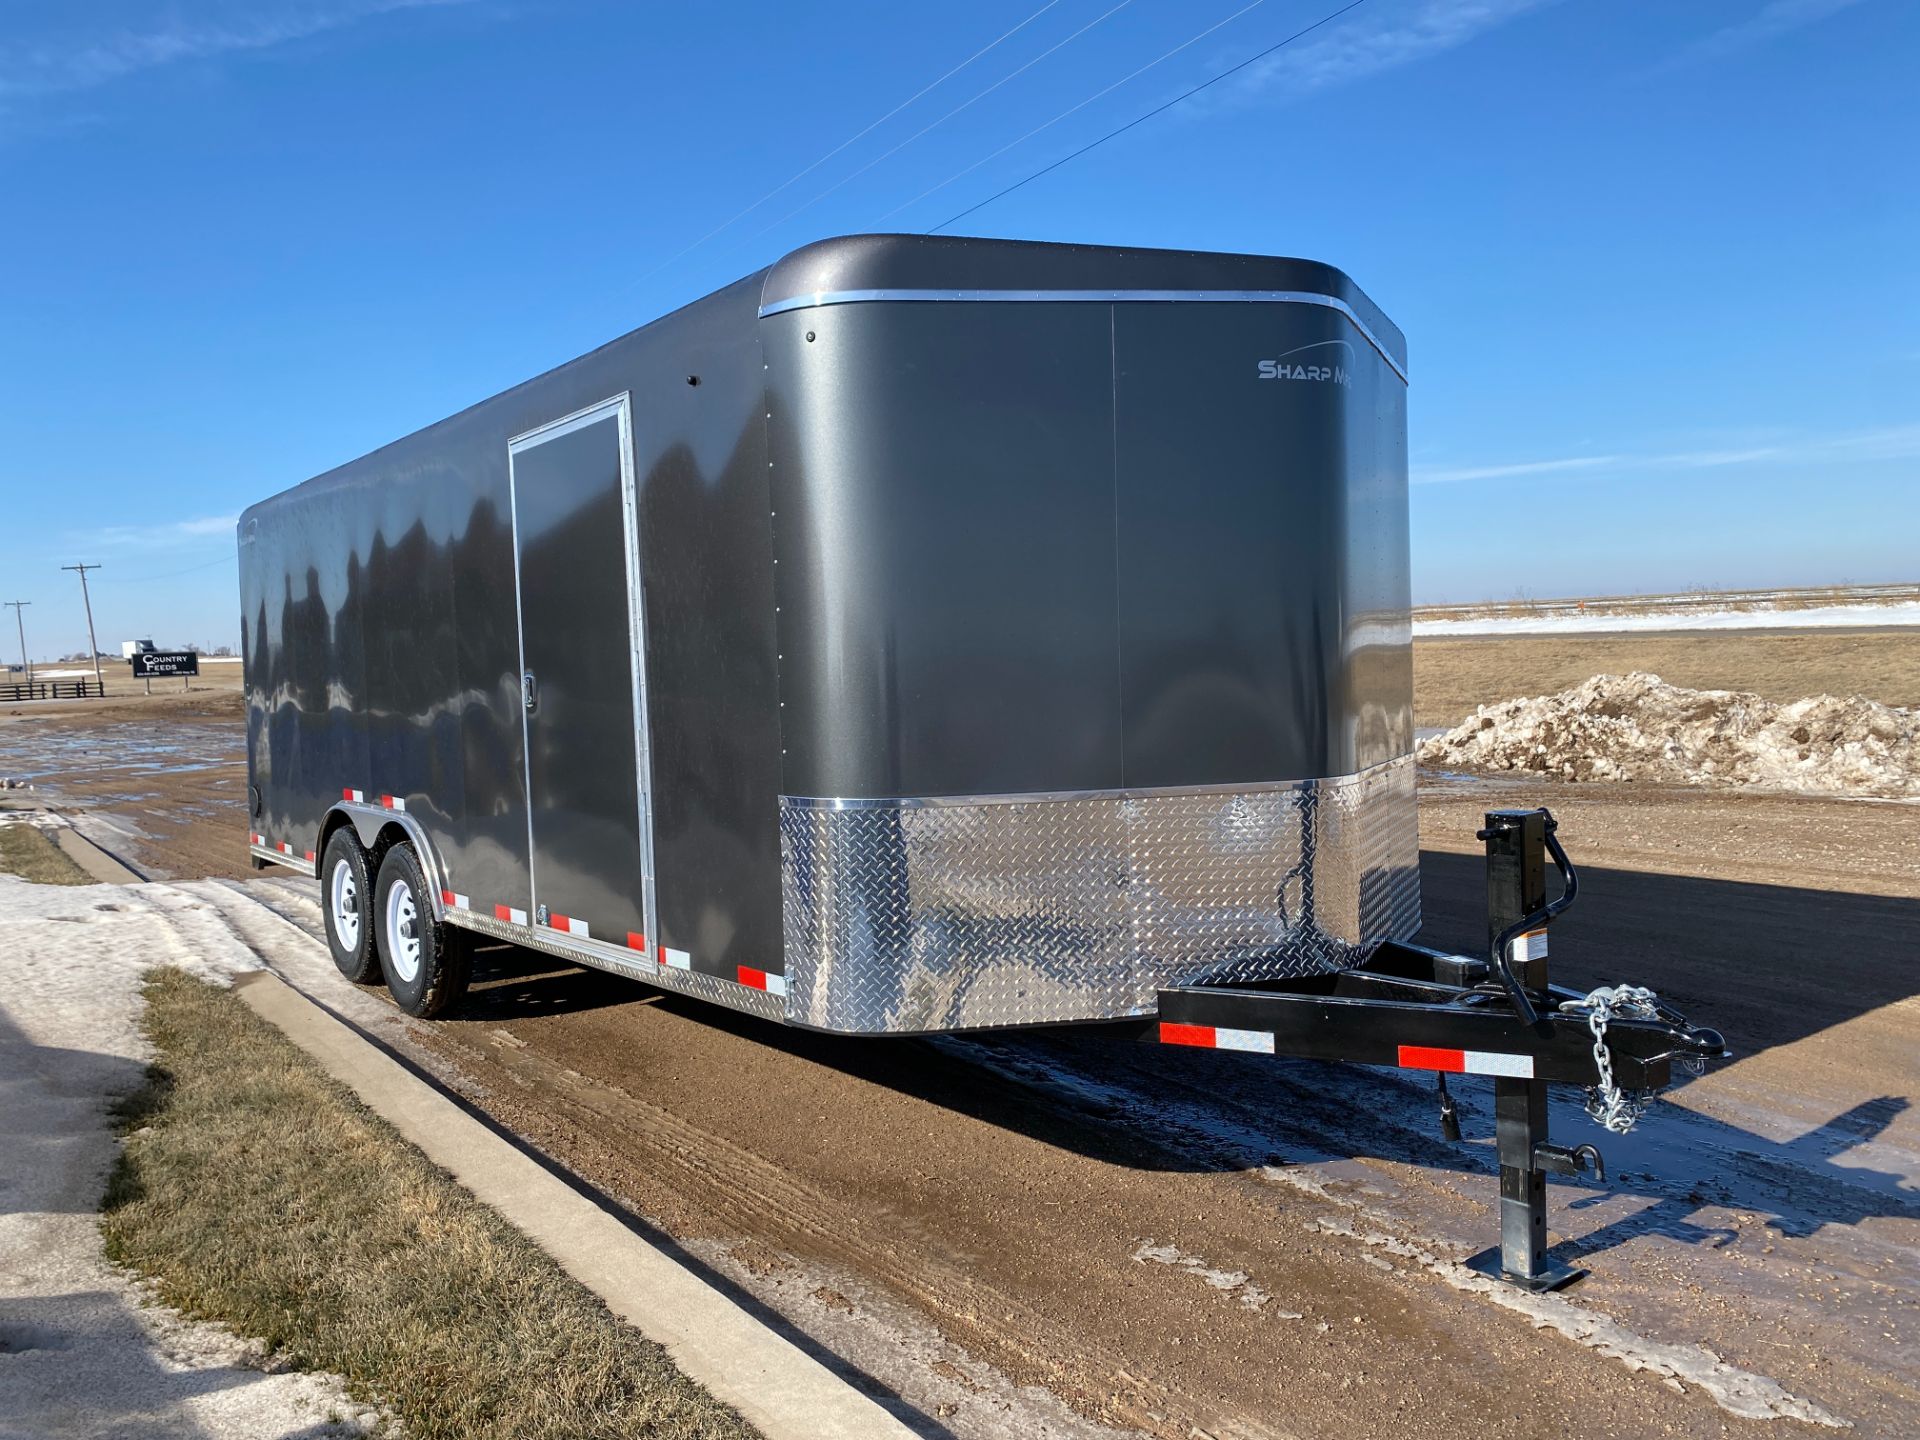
(802, 174)
(1100, 19)
(1326, 19)
(169, 574)
(1072, 109)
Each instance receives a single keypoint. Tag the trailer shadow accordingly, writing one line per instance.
(1771, 966)
(513, 983)
(1767, 965)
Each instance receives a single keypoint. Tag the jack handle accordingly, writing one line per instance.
(1569, 888)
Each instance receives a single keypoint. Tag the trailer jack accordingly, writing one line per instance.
(1424, 1009)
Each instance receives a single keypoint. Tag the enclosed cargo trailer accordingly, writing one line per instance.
(921, 634)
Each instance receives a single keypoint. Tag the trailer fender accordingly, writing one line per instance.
(376, 828)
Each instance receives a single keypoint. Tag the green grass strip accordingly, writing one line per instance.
(258, 1192)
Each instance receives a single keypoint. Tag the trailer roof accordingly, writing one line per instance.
(969, 267)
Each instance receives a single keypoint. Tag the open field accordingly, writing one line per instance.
(216, 673)
(1175, 1243)
(1454, 674)
(1858, 606)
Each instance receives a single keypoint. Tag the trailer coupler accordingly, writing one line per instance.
(1498, 1016)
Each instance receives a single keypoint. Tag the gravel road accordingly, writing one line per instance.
(1059, 1234)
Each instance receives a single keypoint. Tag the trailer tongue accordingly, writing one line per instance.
(1423, 1009)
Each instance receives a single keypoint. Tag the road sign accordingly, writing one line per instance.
(152, 664)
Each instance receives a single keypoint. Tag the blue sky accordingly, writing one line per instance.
(1656, 262)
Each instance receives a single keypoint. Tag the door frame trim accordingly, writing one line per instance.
(618, 407)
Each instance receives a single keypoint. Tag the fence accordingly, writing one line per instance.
(48, 689)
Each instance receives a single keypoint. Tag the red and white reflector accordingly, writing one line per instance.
(636, 941)
(253, 839)
(392, 802)
(1466, 1062)
(510, 915)
(568, 925)
(311, 857)
(675, 959)
(1217, 1037)
(284, 848)
(760, 980)
(454, 900)
(357, 796)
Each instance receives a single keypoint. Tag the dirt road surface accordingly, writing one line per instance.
(1052, 1233)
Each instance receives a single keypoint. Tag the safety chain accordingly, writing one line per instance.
(1610, 1106)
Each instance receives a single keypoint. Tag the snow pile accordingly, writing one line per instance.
(1638, 727)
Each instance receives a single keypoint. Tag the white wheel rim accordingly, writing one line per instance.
(343, 903)
(403, 932)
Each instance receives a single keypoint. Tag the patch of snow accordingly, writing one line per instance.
(83, 1350)
(1813, 617)
(1738, 1392)
(1236, 1283)
(1638, 727)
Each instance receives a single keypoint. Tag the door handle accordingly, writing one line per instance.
(529, 691)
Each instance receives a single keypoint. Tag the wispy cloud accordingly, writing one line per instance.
(1516, 470)
(1379, 39)
(1769, 22)
(101, 54)
(1897, 442)
(164, 534)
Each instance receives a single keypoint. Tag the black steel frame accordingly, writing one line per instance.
(1404, 997)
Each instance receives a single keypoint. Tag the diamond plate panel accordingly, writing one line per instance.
(918, 915)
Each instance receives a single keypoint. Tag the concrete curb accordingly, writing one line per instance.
(777, 1387)
(92, 859)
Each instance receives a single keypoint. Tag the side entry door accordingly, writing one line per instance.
(583, 676)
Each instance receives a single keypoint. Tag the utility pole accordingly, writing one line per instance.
(20, 621)
(93, 645)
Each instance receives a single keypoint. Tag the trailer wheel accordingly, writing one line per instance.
(344, 892)
(427, 963)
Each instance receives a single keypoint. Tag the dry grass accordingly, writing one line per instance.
(27, 851)
(1454, 674)
(258, 1192)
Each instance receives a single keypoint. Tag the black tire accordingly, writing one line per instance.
(346, 863)
(427, 964)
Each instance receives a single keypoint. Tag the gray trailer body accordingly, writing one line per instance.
(920, 634)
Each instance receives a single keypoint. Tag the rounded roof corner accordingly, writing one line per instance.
(850, 264)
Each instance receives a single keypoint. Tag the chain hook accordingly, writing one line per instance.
(1611, 1107)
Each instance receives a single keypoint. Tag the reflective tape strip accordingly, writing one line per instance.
(311, 856)
(1217, 1037)
(1466, 1062)
(354, 795)
(636, 941)
(392, 802)
(454, 901)
(510, 915)
(253, 839)
(284, 848)
(1259, 1042)
(760, 980)
(567, 925)
(677, 959)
